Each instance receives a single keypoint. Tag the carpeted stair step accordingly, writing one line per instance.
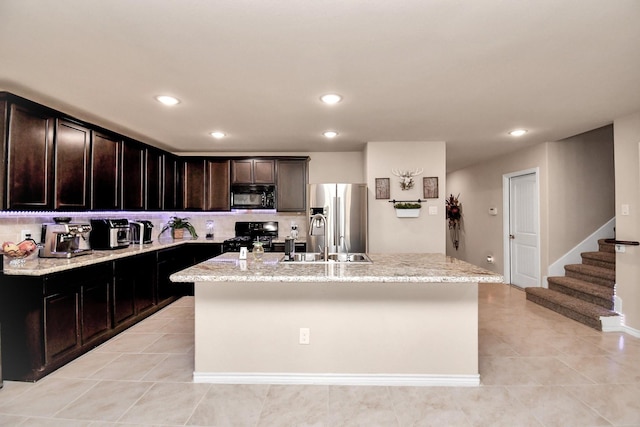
(589, 292)
(591, 273)
(600, 259)
(603, 246)
(573, 308)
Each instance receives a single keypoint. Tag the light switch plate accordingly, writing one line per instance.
(433, 210)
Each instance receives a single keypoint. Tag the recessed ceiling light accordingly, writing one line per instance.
(518, 132)
(330, 134)
(168, 100)
(218, 134)
(331, 98)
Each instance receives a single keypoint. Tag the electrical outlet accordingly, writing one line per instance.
(24, 233)
(305, 336)
(620, 249)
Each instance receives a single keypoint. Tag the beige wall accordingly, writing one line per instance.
(627, 140)
(582, 188)
(576, 181)
(387, 233)
(345, 167)
(480, 188)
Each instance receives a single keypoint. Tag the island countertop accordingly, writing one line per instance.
(410, 268)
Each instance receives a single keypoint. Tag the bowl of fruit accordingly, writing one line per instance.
(20, 252)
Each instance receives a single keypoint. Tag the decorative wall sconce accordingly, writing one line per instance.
(406, 178)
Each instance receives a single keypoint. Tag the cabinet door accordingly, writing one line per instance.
(291, 186)
(71, 170)
(30, 160)
(123, 295)
(172, 188)
(133, 176)
(143, 267)
(263, 171)
(218, 194)
(60, 324)
(105, 172)
(96, 315)
(242, 171)
(154, 180)
(194, 184)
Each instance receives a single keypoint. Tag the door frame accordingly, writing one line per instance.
(506, 224)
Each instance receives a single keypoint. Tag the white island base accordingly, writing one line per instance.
(361, 333)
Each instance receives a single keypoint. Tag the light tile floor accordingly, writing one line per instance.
(537, 369)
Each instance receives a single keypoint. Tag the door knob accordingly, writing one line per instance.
(511, 236)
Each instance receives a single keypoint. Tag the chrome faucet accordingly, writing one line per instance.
(320, 217)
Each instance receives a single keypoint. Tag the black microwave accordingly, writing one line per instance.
(253, 196)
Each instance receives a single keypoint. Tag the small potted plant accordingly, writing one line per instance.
(407, 209)
(177, 226)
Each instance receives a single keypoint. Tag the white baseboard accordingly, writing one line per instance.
(611, 323)
(338, 379)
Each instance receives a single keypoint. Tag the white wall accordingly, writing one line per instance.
(627, 152)
(387, 233)
(345, 167)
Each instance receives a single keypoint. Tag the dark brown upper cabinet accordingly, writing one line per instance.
(218, 192)
(291, 193)
(154, 179)
(172, 182)
(105, 166)
(30, 159)
(133, 175)
(72, 166)
(194, 178)
(253, 171)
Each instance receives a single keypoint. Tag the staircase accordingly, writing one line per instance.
(586, 291)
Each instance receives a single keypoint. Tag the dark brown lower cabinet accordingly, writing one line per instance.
(47, 321)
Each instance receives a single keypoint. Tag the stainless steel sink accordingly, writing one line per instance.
(316, 258)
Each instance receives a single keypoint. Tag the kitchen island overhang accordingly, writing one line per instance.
(406, 319)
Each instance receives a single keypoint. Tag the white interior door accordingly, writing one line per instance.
(524, 230)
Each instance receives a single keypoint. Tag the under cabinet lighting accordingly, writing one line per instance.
(218, 134)
(518, 132)
(167, 100)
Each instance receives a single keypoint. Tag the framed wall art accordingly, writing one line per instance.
(430, 187)
(382, 188)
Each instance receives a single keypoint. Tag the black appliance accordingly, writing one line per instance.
(110, 233)
(141, 229)
(249, 232)
(253, 196)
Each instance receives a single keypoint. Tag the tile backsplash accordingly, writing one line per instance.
(13, 223)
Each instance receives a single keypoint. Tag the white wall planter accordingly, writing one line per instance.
(407, 213)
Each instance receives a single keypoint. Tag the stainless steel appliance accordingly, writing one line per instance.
(110, 233)
(141, 231)
(249, 232)
(253, 196)
(344, 208)
(64, 240)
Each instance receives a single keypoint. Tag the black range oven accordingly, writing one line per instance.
(249, 232)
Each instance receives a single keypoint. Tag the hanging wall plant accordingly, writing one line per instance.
(454, 217)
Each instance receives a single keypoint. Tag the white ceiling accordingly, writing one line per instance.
(464, 72)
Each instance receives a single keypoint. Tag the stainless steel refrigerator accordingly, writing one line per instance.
(345, 208)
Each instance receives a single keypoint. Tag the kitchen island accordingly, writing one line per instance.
(404, 319)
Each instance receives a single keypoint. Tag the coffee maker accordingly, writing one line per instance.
(64, 240)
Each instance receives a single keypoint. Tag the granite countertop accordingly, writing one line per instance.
(41, 266)
(427, 268)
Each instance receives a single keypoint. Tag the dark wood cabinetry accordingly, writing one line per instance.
(134, 282)
(291, 193)
(172, 182)
(206, 184)
(133, 176)
(30, 159)
(72, 166)
(253, 171)
(105, 177)
(217, 184)
(154, 179)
